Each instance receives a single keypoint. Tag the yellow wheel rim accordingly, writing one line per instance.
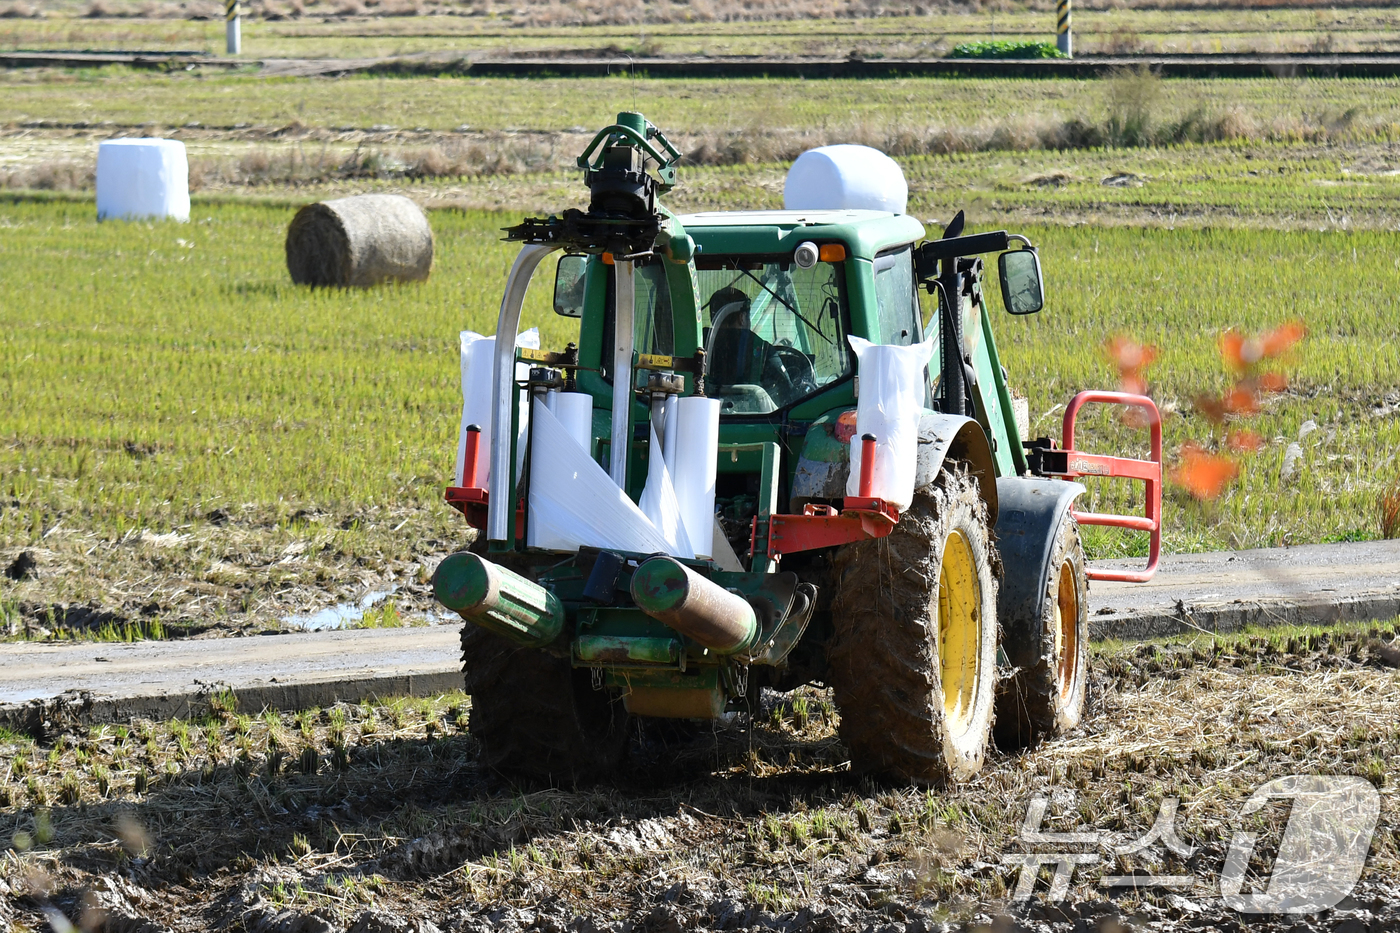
(959, 632)
(1067, 629)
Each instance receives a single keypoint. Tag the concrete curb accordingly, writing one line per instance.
(1224, 618)
(39, 717)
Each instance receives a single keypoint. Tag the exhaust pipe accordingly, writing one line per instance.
(703, 611)
(498, 600)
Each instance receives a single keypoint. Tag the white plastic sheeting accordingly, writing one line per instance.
(659, 502)
(845, 177)
(891, 400)
(478, 361)
(142, 178)
(574, 502)
(696, 454)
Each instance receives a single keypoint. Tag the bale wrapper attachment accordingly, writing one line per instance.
(673, 634)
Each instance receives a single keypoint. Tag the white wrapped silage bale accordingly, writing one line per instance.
(142, 178)
(845, 177)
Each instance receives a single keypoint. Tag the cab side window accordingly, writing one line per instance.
(896, 297)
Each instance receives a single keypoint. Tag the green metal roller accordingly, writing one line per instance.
(498, 600)
(705, 612)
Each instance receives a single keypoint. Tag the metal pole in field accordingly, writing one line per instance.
(234, 31)
(1063, 39)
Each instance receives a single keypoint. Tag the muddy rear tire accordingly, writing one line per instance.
(912, 660)
(538, 717)
(1046, 698)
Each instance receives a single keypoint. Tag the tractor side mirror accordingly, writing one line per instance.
(568, 286)
(1021, 290)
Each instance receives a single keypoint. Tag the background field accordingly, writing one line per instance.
(1287, 108)
(372, 28)
(1282, 153)
(189, 437)
(191, 440)
(188, 442)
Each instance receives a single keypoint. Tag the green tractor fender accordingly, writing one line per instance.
(824, 461)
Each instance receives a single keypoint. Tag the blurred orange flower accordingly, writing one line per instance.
(1241, 401)
(1203, 474)
(1278, 341)
(1238, 351)
(1244, 441)
(1129, 355)
(1131, 358)
(1211, 408)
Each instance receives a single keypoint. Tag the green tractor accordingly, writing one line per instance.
(930, 620)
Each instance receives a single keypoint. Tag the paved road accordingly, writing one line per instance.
(1214, 592)
(1227, 590)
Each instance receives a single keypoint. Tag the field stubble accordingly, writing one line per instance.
(257, 821)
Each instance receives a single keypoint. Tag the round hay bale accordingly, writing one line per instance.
(361, 240)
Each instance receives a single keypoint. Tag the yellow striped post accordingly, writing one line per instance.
(233, 31)
(1063, 39)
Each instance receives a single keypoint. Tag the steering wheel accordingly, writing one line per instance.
(792, 366)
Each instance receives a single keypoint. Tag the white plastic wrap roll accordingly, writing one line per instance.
(573, 500)
(142, 178)
(575, 412)
(659, 502)
(478, 360)
(697, 453)
(668, 438)
(891, 400)
(845, 177)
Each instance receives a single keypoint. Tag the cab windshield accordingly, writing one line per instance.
(774, 333)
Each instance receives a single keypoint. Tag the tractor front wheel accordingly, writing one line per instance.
(912, 660)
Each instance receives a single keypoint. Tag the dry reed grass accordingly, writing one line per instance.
(641, 13)
(1132, 119)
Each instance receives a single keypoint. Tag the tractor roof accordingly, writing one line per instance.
(865, 233)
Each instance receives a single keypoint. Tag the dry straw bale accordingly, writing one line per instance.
(362, 240)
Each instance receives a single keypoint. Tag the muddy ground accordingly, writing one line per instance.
(239, 570)
(371, 818)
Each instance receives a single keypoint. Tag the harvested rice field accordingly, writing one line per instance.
(378, 816)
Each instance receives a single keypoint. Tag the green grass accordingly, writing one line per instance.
(175, 368)
(692, 106)
(156, 372)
